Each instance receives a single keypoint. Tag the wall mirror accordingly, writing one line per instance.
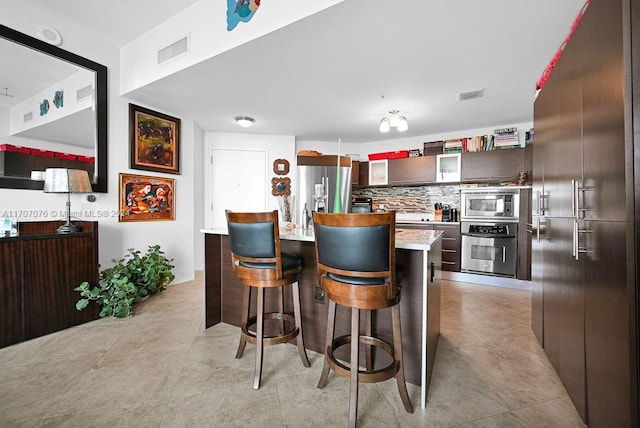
(53, 112)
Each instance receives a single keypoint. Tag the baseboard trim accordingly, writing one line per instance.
(494, 281)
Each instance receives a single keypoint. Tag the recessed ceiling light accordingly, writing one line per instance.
(245, 121)
(49, 35)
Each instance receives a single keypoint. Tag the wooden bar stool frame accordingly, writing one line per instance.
(368, 291)
(259, 273)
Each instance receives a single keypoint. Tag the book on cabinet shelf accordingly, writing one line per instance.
(505, 138)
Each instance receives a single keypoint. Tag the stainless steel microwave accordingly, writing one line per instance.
(502, 204)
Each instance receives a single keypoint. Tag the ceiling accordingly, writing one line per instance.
(336, 73)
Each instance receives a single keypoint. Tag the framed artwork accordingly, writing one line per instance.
(281, 166)
(154, 140)
(145, 198)
(280, 186)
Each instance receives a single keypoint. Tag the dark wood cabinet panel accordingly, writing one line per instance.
(355, 173)
(492, 166)
(525, 229)
(584, 270)
(450, 255)
(363, 174)
(409, 171)
(10, 293)
(49, 280)
(607, 324)
(40, 270)
(564, 310)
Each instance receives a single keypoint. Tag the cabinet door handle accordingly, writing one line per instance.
(575, 251)
(433, 271)
(574, 202)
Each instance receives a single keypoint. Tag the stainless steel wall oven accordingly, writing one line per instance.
(489, 229)
(489, 248)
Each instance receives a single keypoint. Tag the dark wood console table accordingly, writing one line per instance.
(39, 270)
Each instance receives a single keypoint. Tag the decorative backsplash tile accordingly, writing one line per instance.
(413, 199)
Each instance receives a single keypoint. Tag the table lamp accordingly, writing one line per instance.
(64, 180)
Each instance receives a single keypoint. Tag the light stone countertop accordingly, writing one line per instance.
(408, 239)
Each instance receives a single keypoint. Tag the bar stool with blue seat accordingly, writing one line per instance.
(355, 256)
(259, 263)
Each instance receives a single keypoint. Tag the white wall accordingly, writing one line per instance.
(204, 23)
(177, 238)
(276, 146)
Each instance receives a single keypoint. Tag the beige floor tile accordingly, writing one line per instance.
(558, 413)
(162, 368)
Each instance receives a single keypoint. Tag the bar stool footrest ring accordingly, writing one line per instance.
(250, 336)
(364, 376)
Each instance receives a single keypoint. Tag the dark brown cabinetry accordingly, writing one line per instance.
(355, 173)
(40, 269)
(403, 172)
(363, 174)
(16, 164)
(450, 242)
(411, 171)
(584, 301)
(492, 166)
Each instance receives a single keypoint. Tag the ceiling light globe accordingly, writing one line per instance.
(403, 125)
(394, 121)
(245, 121)
(384, 125)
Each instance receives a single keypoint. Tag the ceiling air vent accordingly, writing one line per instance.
(173, 50)
(463, 96)
(83, 93)
(27, 117)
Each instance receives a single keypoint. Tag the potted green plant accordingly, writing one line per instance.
(132, 278)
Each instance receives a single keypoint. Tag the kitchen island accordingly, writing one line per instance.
(418, 270)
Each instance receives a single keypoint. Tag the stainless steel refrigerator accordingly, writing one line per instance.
(317, 184)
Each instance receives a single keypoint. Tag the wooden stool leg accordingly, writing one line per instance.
(368, 332)
(257, 374)
(281, 307)
(246, 297)
(397, 351)
(353, 367)
(331, 320)
(298, 320)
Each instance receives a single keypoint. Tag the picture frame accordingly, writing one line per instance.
(281, 166)
(146, 198)
(280, 186)
(154, 140)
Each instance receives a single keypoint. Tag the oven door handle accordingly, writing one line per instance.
(482, 235)
(504, 254)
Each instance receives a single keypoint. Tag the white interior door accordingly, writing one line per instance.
(237, 182)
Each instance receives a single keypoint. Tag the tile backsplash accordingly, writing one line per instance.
(412, 199)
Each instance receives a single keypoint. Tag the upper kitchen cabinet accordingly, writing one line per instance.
(412, 171)
(355, 173)
(492, 165)
(448, 167)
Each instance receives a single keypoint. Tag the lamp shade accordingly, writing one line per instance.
(64, 180)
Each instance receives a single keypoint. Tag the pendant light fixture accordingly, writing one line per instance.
(393, 121)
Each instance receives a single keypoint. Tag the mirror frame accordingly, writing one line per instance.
(100, 185)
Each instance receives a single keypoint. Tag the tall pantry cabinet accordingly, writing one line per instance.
(584, 264)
